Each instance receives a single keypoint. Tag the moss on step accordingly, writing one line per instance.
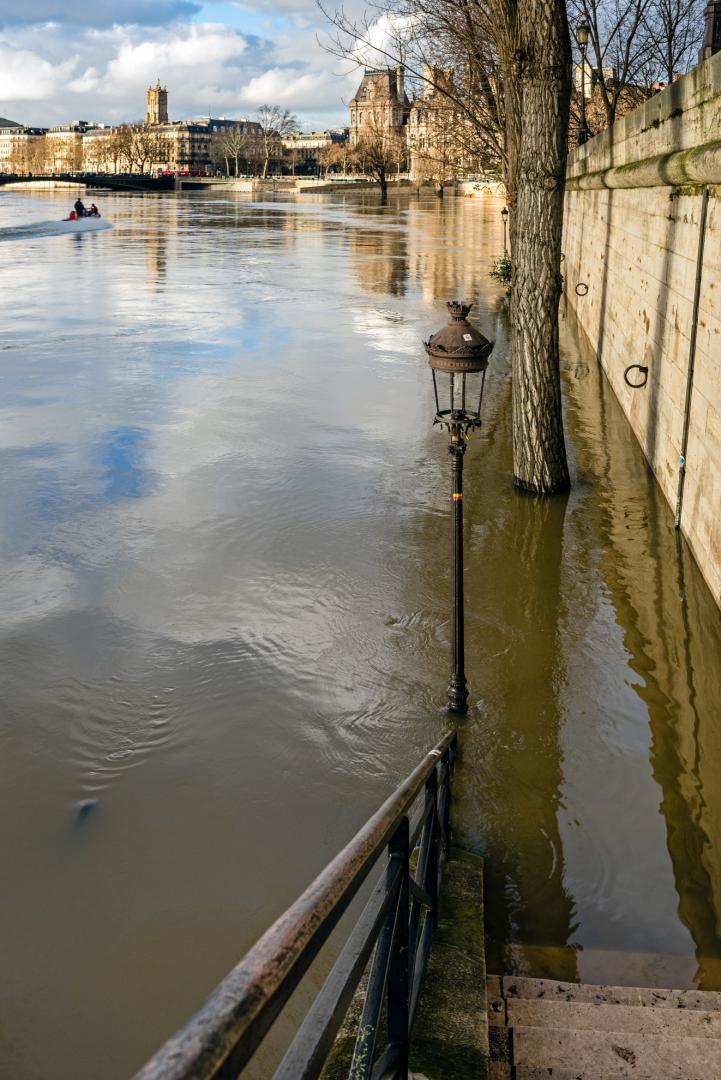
(450, 1037)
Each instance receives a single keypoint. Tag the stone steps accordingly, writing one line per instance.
(609, 995)
(690, 1023)
(541, 1028)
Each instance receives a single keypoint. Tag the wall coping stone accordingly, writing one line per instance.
(684, 117)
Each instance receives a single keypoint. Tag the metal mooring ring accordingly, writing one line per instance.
(581, 288)
(562, 256)
(644, 376)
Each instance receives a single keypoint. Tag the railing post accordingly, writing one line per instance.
(431, 882)
(447, 766)
(398, 985)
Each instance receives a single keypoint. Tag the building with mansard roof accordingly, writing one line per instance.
(380, 104)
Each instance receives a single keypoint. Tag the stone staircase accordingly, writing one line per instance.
(541, 1029)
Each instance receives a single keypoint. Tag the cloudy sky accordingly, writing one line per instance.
(64, 60)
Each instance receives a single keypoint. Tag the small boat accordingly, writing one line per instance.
(55, 228)
(89, 223)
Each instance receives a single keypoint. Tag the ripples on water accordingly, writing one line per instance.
(224, 585)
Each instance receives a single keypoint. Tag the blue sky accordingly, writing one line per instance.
(63, 60)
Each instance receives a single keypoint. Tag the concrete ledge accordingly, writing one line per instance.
(699, 165)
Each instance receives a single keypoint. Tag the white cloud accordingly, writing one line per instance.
(47, 79)
(50, 75)
(288, 88)
(189, 51)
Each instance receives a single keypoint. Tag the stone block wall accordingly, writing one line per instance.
(634, 205)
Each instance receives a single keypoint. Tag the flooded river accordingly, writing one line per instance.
(224, 581)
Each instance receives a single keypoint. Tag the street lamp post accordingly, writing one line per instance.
(458, 357)
(504, 217)
(582, 33)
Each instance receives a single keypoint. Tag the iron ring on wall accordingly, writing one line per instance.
(644, 375)
(581, 288)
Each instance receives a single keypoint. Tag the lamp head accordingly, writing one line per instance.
(456, 354)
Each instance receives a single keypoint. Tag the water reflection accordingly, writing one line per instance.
(224, 584)
(671, 629)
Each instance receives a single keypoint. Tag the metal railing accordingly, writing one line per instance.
(397, 922)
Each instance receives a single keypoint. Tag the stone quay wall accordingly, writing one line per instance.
(634, 209)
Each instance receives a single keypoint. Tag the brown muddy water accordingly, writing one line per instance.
(224, 578)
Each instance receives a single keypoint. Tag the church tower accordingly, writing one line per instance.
(157, 112)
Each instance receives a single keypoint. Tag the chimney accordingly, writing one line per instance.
(712, 31)
(399, 78)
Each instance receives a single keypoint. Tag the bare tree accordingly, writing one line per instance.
(438, 141)
(620, 50)
(235, 144)
(377, 153)
(275, 124)
(125, 147)
(217, 152)
(675, 28)
(339, 156)
(511, 61)
(149, 147)
(328, 157)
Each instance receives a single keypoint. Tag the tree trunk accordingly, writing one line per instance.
(383, 181)
(539, 451)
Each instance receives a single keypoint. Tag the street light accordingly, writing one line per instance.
(458, 356)
(583, 31)
(504, 216)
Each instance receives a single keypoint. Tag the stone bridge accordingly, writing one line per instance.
(119, 182)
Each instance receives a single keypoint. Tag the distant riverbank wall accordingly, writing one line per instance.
(642, 269)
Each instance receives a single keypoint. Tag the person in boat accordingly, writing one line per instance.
(93, 211)
(79, 208)
(72, 216)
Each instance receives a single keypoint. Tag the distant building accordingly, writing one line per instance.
(160, 144)
(712, 31)
(308, 149)
(431, 130)
(380, 104)
(439, 140)
(157, 107)
(15, 140)
(586, 77)
(64, 146)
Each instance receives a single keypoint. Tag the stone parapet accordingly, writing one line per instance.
(632, 232)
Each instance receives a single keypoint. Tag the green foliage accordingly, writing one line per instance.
(502, 272)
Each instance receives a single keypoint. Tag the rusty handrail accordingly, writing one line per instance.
(219, 1040)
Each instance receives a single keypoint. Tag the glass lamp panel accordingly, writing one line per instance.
(458, 390)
